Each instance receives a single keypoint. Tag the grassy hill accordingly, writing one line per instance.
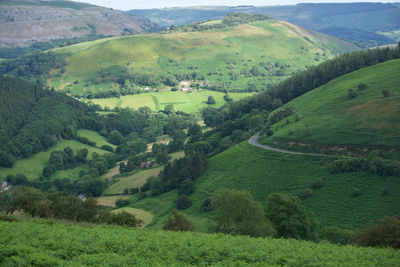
(379, 18)
(49, 243)
(223, 57)
(336, 122)
(30, 21)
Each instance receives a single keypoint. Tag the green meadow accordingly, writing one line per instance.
(186, 102)
(32, 167)
(369, 119)
(94, 137)
(215, 54)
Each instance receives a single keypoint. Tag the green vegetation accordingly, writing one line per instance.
(365, 24)
(246, 57)
(41, 242)
(94, 137)
(263, 172)
(368, 120)
(32, 167)
(186, 102)
(142, 215)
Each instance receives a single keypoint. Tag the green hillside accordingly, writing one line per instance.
(263, 172)
(49, 243)
(334, 121)
(243, 57)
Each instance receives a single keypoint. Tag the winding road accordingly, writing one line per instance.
(253, 141)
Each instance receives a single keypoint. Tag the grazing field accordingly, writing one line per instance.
(144, 216)
(263, 172)
(186, 102)
(50, 243)
(219, 56)
(110, 201)
(32, 167)
(95, 137)
(136, 180)
(368, 119)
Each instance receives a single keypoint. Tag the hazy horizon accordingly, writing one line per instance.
(128, 4)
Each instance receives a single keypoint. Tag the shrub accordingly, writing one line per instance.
(306, 193)
(384, 234)
(122, 202)
(207, 204)
(317, 184)
(183, 202)
(309, 132)
(351, 94)
(362, 86)
(178, 222)
(336, 235)
(385, 93)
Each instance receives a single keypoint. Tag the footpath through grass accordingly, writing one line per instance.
(49, 243)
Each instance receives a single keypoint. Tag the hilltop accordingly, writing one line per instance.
(46, 242)
(367, 24)
(27, 22)
(247, 56)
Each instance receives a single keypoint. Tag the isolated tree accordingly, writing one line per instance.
(237, 213)
(362, 86)
(351, 94)
(211, 100)
(178, 222)
(290, 218)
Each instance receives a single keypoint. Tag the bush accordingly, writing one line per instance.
(362, 86)
(306, 193)
(385, 93)
(351, 94)
(122, 202)
(317, 184)
(384, 234)
(336, 235)
(177, 222)
(207, 204)
(183, 202)
(107, 148)
(309, 132)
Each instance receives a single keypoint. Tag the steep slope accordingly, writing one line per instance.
(379, 18)
(338, 121)
(51, 243)
(242, 57)
(26, 22)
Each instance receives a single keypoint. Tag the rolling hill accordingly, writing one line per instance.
(26, 22)
(337, 122)
(379, 18)
(245, 57)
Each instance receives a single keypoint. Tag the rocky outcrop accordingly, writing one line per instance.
(25, 22)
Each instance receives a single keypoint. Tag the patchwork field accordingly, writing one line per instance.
(32, 167)
(276, 48)
(110, 200)
(369, 119)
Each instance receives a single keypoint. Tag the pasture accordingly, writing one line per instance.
(186, 102)
(144, 216)
(32, 167)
